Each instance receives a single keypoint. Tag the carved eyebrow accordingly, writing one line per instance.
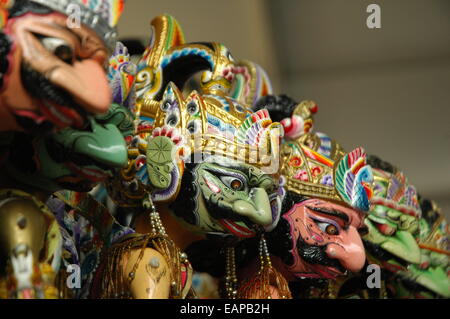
(235, 166)
(333, 213)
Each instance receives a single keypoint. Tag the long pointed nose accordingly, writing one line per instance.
(350, 252)
(86, 81)
(257, 208)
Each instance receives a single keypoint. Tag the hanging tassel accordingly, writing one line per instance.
(268, 283)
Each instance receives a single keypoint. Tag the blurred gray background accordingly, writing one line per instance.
(386, 89)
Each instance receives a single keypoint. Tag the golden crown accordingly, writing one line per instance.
(316, 166)
(215, 125)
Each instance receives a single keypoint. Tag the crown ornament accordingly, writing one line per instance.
(316, 166)
(100, 15)
(179, 130)
(392, 190)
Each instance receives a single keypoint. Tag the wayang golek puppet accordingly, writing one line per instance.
(201, 166)
(51, 73)
(194, 150)
(35, 247)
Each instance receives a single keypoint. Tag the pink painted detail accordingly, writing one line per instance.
(213, 187)
(316, 237)
(293, 126)
(27, 293)
(237, 230)
(316, 171)
(183, 275)
(301, 175)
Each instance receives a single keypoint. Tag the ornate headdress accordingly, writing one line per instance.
(434, 229)
(316, 166)
(391, 190)
(172, 130)
(169, 59)
(100, 15)
(170, 126)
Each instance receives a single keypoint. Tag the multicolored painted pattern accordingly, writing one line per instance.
(88, 229)
(110, 10)
(160, 149)
(354, 179)
(166, 34)
(338, 176)
(121, 76)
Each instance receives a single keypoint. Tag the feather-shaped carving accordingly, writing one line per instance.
(253, 127)
(353, 179)
(121, 74)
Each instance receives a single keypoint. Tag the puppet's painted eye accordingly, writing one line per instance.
(330, 229)
(234, 183)
(59, 48)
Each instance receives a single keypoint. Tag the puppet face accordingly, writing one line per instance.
(228, 197)
(393, 231)
(56, 74)
(432, 275)
(73, 159)
(326, 241)
(393, 221)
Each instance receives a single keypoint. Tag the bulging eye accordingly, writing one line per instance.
(234, 183)
(328, 228)
(59, 48)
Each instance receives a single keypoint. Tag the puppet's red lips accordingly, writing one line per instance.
(61, 116)
(91, 174)
(237, 230)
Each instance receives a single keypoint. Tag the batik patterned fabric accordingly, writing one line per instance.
(87, 230)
